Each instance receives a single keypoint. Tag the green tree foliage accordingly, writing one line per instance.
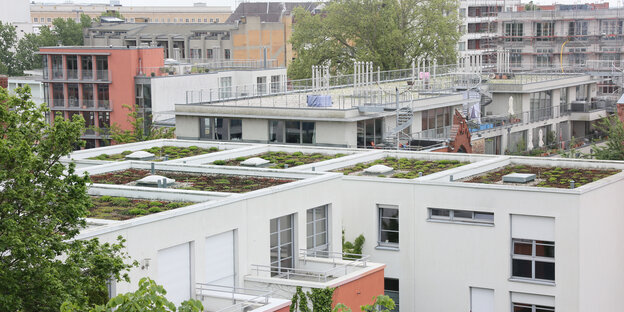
(321, 300)
(42, 208)
(390, 33)
(141, 129)
(382, 303)
(354, 248)
(8, 40)
(150, 297)
(69, 32)
(614, 146)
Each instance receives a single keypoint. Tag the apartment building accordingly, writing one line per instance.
(479, 28)
(529, 241)
(95, 82)
(33, 82)
(45, 13)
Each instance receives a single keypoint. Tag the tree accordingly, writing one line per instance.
(389, 33)
(614, 146)
(69, 32)
(8, 39)
(150, 297)
(141, 129)
(42, 208)
(26, 56)
(382, 303)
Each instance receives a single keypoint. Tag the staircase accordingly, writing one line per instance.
(404, 118)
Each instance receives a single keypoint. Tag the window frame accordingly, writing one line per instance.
(533, 307)
(453, 219)
(315, 233)
(280, 132)
(392, 293)
(279, 244)
(533, 258)
(380, 226)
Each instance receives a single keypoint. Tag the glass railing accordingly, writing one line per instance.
(58, 102)
(104, 104)
(72, 74)
(73, 102)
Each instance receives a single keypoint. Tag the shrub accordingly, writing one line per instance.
(105, 198)
(125, 153)
(193, 148)
(155, 204)
(242, 158)
(174, 205)
(219, 162)
(102, 157)
(290, 161)
(120, 201)
(299, 163)
(222, 181)
(141, 206)
(136, 212)
(297, 154)
(213, 149)
(154, 210)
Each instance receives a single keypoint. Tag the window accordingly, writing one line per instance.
(103, 96)
(103, 122)
(193, 20)
(544, 58)
(72, 66)
(228, 129)
(261, 85)
(610, 29)
(544, 31)
(577, 56)
(89, 118)
(211, 20)
(205, 20)
(58, 97)
(541, 105)
(195, 53)
(461, 215)
(461, 46)
(72, 94)
(175, 20)
(35, 20)
(513, 31)
(577, 30)
(316, 224)
(187, 20)
(57, 66)
(87, 96)
(515, 58)
(101, 63)
(523, 307)
(209, 53)
(281, 244)
(292, 131)
(87, 66)
(388, 226)
(49, 20)
(275, 84)
(217, 20)
(225, 90)
(391, 289)
(227, 54)
(369, 132)
(533, 259)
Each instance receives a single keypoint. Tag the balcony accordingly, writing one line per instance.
(321, 269)
(60, 75)
(218, 298)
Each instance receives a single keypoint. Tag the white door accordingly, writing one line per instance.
(174, 272)
(220, 268)
(481, 300)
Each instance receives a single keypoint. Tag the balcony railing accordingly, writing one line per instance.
(230, 299)
(315, 266)
(104, 104)
(103, 74)
(72, 74)
(88, 103)
(84, 75)
(73, 102)
(58, 103)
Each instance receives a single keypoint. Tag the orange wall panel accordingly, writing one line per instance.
(240, 54)
(266, 37)
(360, 291)
(256, 54)
(239, 40)
(253, 38)
(277, 37)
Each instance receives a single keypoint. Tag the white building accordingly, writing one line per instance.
(35, 84)
(17, 13)
(454, 238)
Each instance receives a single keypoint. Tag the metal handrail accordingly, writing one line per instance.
(320, 276)
(256, 296)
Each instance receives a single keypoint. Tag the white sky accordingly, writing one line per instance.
(232, 3)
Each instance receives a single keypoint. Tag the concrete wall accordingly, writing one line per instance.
(256, 130)
(336, 133)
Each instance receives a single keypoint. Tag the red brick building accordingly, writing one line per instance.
(95, 82)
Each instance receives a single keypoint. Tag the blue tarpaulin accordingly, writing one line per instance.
(319, 101)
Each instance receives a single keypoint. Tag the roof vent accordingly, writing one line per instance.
(518, 178)
(378, 169)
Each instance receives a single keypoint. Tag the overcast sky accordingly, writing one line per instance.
(233, 3)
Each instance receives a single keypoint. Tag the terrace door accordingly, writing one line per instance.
(174, 272)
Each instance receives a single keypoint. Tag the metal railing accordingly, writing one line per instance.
(242, 298)
(522, 79)
(105, 104)
(201, 68)
(74, 74)
(525, 117)
(340, 266)
(103, 75)
(437, 133)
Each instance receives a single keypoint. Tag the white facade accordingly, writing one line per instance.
(17, 13)
(35, 84)
(441, 264)
(167, 91)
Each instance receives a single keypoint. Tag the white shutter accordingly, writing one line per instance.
(174, 272)
(533, 227)
(481, 300)
(220, 259)
(525, 298)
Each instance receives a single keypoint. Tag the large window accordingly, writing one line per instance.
(57, 66)
(388, 226)
(577, 56)
(87, 96)
(225, 87)
(261, 85)
(544, 58)
(610, 29)
(544, 31)
(515, 57)
(103, 101)
(391, 289)
(577, 30)
(58, 97)
(228, 129)
(533, 259)
(292, 131)
(275, 84)
(541, 105)
(316, 224)
(461, 215)
(369, 132)
(72, 66)
(281, 244)
(102, 67)
(72, 95)
(513, 31)
(523, 307)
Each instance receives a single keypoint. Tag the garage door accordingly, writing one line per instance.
(174, 272)
(481, 300)
(220, 268)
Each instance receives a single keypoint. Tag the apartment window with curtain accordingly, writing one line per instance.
(316, 229)
(282, 245)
